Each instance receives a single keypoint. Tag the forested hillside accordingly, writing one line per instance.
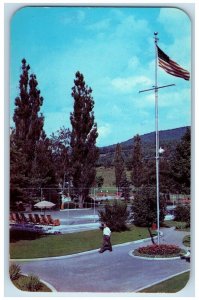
(168, 141)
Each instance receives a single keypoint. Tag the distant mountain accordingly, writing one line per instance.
(168, 140)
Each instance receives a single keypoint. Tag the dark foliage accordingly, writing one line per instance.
(119, 166)
(182, 214)
(115, 215)
(181, 165)
(60, 147)
(144, 207)
(30, 156)
(99, 180)
(84, 152)
(137, 162)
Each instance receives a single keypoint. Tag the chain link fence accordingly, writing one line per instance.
(68, 198)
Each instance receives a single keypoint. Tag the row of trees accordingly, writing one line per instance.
(37, 161)
(174, 170)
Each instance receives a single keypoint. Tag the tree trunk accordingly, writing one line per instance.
(81, 202)
(151, 235)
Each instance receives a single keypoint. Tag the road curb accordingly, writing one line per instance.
(77, 254)
(50, 286)
(159, 281)
(152, 258)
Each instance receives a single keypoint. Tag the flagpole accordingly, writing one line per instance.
(157, 136)
(157, 156)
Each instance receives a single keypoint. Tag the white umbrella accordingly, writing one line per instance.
(44, 204)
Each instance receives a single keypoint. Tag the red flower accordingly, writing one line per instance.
(162, 249)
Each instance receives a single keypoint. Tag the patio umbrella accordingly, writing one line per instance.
(44, 204)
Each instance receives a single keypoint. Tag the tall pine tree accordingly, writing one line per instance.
(84, 152)
(60, 143)
(181, 165)
(119, 166)
(137, 164)
(27, 138)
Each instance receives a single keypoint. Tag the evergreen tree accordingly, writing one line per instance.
(125, 188)
(181, 165)
(137, 164)
(119, 166)
(18, 179)
(144, 208)
(149, 174)
(84, 153)
(27, 138)
(28, 122)
(43, 168)
(99, 181)
(116, 215)
(60, 145)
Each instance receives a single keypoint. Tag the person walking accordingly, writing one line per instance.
(106, 244)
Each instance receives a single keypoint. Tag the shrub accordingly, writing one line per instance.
(30, 283)
(14, 271)
(90, 202)
(182, 214)
(181, 226)
(144, 207)
(159, 250)
(69, 205)
(115, 216)
(187, 240)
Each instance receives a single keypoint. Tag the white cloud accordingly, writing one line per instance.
(115, 52)
(104, 130)
(178, 26)
(126, 85)
(174, 18)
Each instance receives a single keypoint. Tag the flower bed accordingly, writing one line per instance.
(158, 251)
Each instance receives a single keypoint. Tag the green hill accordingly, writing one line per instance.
(168, 140)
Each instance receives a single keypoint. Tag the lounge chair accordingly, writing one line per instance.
(45, 220)
(24, 218)
(18, 217)
(13, 217)
(32, 218)
(54, 222)
(38, 219)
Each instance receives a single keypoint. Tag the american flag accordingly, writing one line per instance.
(171, 66)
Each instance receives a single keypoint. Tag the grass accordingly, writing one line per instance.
(187, 241)
(70, 243)
(20, 284)
(109, 176)
(173, 285)
(179, 225)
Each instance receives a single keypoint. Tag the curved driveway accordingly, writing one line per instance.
(115, 271)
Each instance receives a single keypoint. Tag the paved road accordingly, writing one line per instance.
(115, 271)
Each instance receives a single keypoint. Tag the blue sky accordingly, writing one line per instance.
(114, 49)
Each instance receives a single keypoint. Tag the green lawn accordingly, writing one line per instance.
(172, 285)
(64, 244)
(179, 225)
(109, 177)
